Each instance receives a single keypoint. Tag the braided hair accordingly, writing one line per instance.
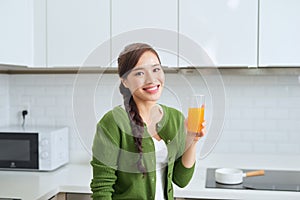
(127, 60)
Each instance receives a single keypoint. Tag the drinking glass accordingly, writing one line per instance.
(196, 113)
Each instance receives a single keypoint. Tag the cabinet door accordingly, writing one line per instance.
(23, 33)
(224, 30)
(279, 33)
(76, 29)
(154, 22)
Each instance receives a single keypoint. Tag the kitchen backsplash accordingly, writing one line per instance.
(4, 99)
(262, 113)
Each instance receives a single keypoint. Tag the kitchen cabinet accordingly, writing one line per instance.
(78, 33)
(279, 33)
(225, 30)
(23, 33)
(154, 22)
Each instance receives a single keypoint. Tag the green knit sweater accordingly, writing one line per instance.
(115, 174)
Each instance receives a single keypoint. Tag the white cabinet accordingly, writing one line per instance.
(23, 32)
(225, 30)
(154, 22)
(279, 32)
(78, 33)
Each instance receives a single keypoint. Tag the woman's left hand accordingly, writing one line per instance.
(198, 135)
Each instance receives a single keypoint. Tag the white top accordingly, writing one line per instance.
(161, 154)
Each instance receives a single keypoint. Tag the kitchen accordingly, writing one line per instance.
(256, 66)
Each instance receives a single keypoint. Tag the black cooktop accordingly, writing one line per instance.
(276, 180)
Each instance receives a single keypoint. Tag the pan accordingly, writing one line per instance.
(234, 176)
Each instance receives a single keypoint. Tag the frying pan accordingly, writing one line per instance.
(234, 176)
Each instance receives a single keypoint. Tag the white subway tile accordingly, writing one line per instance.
(252, 136)
(264, 148)
(231, 136)
(35, 90)
(294, 91)
(293, 136)
(294, 113)
(288, 148)
(276, 91)
(276, 136)
(253, 91)
(240, 147)
(252, 113)
(289, 125)
(265, 102)
(266, 124)
(276, 113)
(239, 124)
(221, 147)
(45, 101)
(55, 111)
(241, 101)
(288, 80)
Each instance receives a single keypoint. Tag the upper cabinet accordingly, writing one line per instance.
(279, 33)
(154, 22)
(78, 33)
(223, 32)
(23, 32)
(205, 33)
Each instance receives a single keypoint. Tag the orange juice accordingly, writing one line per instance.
(195, 119)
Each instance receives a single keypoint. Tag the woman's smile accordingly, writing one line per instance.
(152, 89)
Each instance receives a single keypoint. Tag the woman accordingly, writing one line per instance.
(141, 147)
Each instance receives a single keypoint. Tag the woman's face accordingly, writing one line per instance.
(146, 79)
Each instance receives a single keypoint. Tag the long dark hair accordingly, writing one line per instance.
(127, 60)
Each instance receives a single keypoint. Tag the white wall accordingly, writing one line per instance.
(262, 112)
(4, 99)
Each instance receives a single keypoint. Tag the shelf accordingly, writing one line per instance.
(9, 69)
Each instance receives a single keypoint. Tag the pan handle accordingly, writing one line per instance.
(255, 173)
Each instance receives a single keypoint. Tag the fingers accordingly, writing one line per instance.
(197, 136)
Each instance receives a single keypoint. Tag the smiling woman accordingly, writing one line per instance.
(145, 82)
(141, 147)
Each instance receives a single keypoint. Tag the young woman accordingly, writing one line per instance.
(141, 147)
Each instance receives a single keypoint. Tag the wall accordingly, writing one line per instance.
(262, 112)
(4, 99)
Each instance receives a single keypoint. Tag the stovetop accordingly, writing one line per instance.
(276, 180)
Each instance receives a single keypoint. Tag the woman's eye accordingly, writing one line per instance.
(139, 73)
(156, 69)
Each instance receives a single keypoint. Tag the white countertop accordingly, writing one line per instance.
(75, 178)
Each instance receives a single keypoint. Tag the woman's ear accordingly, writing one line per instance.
(124, 82)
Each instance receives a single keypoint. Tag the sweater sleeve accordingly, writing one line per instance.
(182, 175)
(105, 157)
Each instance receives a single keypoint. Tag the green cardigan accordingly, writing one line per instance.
(115, 174)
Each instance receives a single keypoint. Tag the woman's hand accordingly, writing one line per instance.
(196, 136)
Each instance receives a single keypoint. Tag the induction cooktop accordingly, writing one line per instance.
(276, 180)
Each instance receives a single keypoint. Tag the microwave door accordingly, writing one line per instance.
(19, 151)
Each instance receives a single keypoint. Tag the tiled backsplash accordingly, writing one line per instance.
(4, 99)
(262, 112)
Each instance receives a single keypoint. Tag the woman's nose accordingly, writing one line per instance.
(150, 78)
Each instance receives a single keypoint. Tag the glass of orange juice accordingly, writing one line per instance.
(196, 113)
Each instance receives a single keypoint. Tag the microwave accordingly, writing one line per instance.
(33, 148)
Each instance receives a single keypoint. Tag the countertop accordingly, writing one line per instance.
(75, 178)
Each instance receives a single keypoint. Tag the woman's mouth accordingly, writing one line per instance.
(152, 89)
